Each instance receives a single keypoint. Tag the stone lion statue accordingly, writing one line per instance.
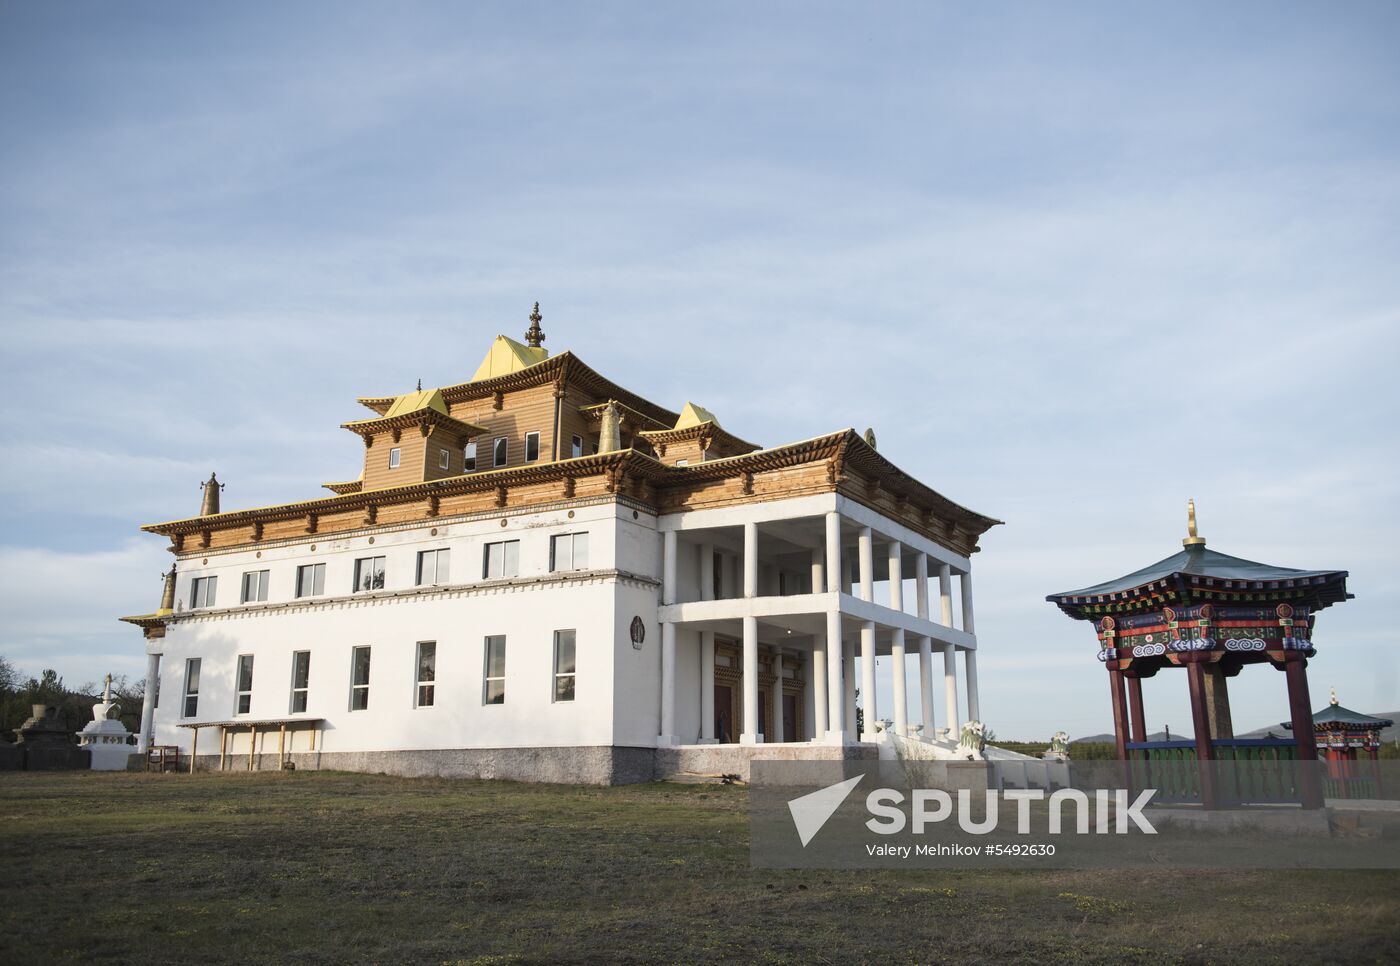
(1059, 747)
(972, 740)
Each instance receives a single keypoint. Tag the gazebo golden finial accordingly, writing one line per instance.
(1334, 695)
(535, 335)
(1192, 539)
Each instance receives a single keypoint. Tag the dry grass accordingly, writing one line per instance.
(332, 868)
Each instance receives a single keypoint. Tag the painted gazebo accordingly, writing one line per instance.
(1211, 615)
(1346, 739)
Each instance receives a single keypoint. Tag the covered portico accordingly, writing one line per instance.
(784, 595)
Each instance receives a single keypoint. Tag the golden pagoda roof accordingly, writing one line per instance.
(693, 415)
(507, 356)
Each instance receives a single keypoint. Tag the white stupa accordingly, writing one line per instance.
(105, 737)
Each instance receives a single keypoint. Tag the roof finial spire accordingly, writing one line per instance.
(420, 385)
(1334, 695)
(210, 504)
(1192, 539)
(534, 335)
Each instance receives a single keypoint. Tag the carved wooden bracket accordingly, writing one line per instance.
(568, 487)
(178, 542)
(313, 522)
(204, 538)
(257, 531)
(835, 469)
(371, 514)
(501, 495)
(425, 427)
(748, 484)
(434, 505)
(660, 449)
(368, 438)
(498, 401)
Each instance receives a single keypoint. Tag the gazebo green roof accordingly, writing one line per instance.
(1341, 718)
(1196, 567)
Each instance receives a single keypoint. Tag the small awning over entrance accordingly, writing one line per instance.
(254, 727)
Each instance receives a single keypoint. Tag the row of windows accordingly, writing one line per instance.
(493, 689)
(567, 551)
(499, 453)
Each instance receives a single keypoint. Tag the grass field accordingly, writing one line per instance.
(331, 868)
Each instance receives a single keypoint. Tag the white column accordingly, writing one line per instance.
(818, 571)
(707, 687)
(833, 553)
(866, 547)
(970, 656)
(148, 702)
(926, 684)
(751, 559)
(848, 671)
(707, 649)
(974, 712)
(749, 736)
(820, 700)
(901, 705)
(896, 575)
(668, 641)
(945, 595)
(776, 701)
(925, 645)
(835, 680)
(950, 689)
(867, 676)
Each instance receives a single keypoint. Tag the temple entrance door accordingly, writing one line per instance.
(790, 718)
(724, 714)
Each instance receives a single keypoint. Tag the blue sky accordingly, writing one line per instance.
(1073, 262)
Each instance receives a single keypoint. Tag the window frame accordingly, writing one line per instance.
(576, 446)
(422, 684)
(535, 438)
(487, 677)
(356, 687)
(469, 457)
(192, 664)
(505, 560)
(444, 459)
(242, 695)
(395, 457)
(259, 595)
(305, 690)
(204, 591)
(572, 538)
(318, 580)
(442, 567)
(355, 587)
(500, 451)
(571, 675)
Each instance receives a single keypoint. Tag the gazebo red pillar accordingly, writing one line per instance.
(1200, 724)
(1135, 714)
(1120, 713)
(1295, 669)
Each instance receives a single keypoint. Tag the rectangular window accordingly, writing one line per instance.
(501, 559)
(369, 574)
(301, 677)
(532, 447)
(245, 684)
(469, 458)
(444, 459)
(682, 462)
(255, 586)
(564, 654)
(203, 590)
(311, 580)
(569, 551)
(495, 670)
(498, 452)
(427, 673)
(432, 567)
(576, 447)
(394, 458)
(359, 678)
(191, 687)
(595, 448)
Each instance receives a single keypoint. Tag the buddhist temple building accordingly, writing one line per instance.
(537, 574)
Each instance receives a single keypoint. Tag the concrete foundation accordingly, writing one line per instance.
(682, 760)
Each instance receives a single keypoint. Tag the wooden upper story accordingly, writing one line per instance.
(531, 429)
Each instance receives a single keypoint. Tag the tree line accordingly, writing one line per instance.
(74, 705)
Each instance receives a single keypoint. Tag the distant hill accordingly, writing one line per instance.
(1277, 729)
